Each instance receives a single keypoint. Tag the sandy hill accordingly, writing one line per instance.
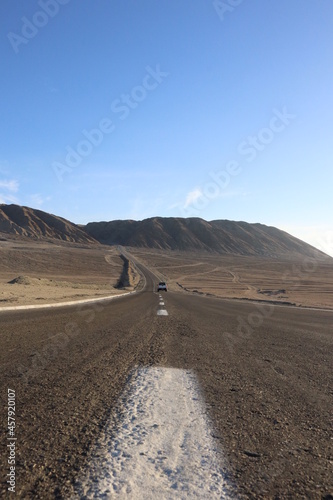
(28, 222)
(192, 234)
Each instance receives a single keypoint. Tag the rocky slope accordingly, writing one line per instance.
(28, 222)
(192, 234)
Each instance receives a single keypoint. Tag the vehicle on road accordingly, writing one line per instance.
(162, 287)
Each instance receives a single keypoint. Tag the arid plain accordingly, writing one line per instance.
(37, 272)
(299, 282)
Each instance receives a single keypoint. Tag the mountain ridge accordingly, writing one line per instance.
(191, 234)
(222, 237)
(17, 220)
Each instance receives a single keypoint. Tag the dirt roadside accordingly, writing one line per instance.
(39, 273)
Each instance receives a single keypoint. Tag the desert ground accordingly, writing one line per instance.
(303, 282)
(92, 382)
(41, 272)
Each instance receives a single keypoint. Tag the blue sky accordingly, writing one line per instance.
(124, 109)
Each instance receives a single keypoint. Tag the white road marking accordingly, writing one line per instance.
(159, 444)
(162, 303)
(162, 312)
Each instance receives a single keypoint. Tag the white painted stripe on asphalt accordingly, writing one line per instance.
(162, 304)
(60, 304)
(162, 312)
(158, 446)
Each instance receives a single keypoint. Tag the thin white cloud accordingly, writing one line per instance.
(36, 200)
(12, 185)
(8, 199)
(192, 197)
(8, 188)
(198, 200)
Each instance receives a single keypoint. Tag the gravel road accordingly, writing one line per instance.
(265, 375)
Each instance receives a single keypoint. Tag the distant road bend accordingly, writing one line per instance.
(211, 399)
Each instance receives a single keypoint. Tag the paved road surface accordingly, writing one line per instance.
(265, 375)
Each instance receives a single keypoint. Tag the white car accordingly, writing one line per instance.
(162, 287)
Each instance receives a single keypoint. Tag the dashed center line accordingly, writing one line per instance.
(158, 445)
(162, 312)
